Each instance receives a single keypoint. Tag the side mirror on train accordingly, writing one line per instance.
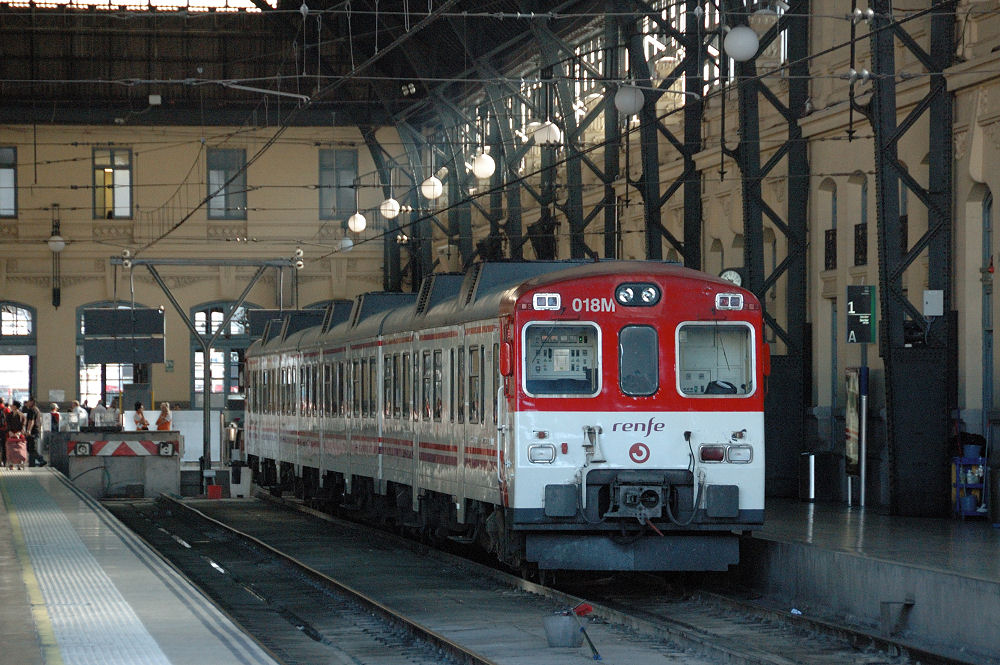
(506, 359)
(765, 359)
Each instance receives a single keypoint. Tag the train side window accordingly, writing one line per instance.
(303, 401)
(372, 387)
(425, 385)
(355, 409)
(315, 386)
(638, 360)
(387, 385)
(451, 385)
(283, 388)
(363, 407)
(438, 386)
(341, 388)
(407, 385)
(475, 384)
(460, 385)
(397, 385)
(715, 359)
(561, 360)
(331, 386)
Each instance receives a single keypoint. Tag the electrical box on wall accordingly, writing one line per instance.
(933, 303)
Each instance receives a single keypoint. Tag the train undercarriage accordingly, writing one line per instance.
(526, 542)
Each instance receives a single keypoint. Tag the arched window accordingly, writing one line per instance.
(227, 357)
(828, 208)
(17, 350)
(859, 192)
(105, 382)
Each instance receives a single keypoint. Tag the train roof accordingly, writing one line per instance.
(481, 293)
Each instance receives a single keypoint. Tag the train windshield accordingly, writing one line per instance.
(715, 359)
(638, 360)
(561, 359)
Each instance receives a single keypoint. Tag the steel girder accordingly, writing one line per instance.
(920, 375)
(651, 128)
(789, 387)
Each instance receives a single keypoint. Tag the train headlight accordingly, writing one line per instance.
(637, 295)
(712, 453)
(543, 453)
(728, 301)
(549, 301)
(82, 449)
(740, 454)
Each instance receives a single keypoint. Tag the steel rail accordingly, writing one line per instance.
(422, 633)
(672, 629)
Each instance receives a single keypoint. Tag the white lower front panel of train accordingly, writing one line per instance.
(635, 490)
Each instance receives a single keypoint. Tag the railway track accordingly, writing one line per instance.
(484, 613)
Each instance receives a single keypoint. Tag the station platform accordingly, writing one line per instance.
(932, 582)
(76, 587)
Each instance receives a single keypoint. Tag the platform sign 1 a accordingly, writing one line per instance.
(861, 314)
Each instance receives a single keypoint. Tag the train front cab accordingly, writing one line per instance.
(636, 430)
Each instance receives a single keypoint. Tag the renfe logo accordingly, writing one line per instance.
(638, 453)
(641, 428)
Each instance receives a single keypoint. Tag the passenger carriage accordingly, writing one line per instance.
(565, 415)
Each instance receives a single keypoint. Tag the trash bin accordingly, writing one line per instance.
(994, 490)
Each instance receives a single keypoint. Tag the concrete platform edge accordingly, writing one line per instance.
(947, 609)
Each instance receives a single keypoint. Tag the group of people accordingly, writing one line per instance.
(21, 430)
(21, 427)
(163, 422)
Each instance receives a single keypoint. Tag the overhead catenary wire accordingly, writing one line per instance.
(277, 136)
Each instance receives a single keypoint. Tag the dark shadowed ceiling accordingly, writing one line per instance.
(319, 62)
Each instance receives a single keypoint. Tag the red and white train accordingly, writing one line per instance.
(563, 415)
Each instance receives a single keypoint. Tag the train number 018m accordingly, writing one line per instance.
(593, 305)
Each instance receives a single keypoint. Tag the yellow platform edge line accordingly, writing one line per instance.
(48, 645)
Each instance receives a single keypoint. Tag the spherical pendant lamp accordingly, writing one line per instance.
(629, 100)
(483, 166)
(431, 188)
(389, 208)
(741, 43)
(357, 222)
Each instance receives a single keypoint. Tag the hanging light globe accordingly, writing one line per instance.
(389, 208)
(548, 134)
(431, 188)
(357, 222)
(346, 244)
(483, 166)
(629, 99)
(741, 43)
(56, 243)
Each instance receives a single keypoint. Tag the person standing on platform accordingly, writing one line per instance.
(33, 432)
(163, 423)
(4, 412)
(140, 418)
(16, 444)
(54, 417)
(98, 414)
(82, 416)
